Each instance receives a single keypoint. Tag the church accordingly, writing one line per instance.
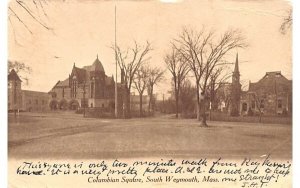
(88, 86)
(271, 95)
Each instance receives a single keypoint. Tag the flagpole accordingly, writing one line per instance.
(116, 87)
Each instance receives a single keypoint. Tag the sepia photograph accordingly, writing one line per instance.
(151, 93)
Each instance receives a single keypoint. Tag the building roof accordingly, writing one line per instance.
(95, 67)
(64, 83)
(35, 93)
(13, 76)
(236, 67)
(271, 82)
(80, 74)
(83, 74)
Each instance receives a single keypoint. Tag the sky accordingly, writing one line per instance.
(84, 28)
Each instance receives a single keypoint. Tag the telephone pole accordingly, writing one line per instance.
(116, 86)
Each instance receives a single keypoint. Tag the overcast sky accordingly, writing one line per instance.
(84, 28)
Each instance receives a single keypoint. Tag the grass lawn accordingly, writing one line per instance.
(68, 135)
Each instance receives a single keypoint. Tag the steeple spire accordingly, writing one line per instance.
(236, 68)
(97, 56)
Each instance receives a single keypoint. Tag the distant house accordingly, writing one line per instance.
(223, 97)
(135, 102)
(24, 100)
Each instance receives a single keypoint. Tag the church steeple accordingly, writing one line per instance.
(235, 90)
(236, 68)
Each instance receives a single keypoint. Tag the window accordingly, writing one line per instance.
(92, 89)
(74, 88)
(63, 93)
(43, 102)
(252, 104)
(279, 103)
(244, 107)
(29, 101)
(36, 101)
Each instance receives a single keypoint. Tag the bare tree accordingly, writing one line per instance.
(217, 78)
(204, 54)
(140, 84)
(155, 76)
(287, 22)
(179, 69)
(25, 11)
(131, 61)
(186, 98)
(260, 105)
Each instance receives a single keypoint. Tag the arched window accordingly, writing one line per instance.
(92, 89)
(74, 88)
(244, 107)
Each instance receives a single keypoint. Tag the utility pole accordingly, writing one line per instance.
(276, 99)
(84, 102)
(15, 97)
(164, 103)
(116, 86)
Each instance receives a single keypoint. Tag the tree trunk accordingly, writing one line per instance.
(141, 105)
(150, 100)
(149, 103)
(260, 116)
(176, 101)
(127, 113)
(198, 104)
(198, 111)
(203, 114)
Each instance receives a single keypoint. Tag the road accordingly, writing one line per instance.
(69, 136)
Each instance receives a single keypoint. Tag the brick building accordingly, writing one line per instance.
(87, 87)
(270, 95)
(24, 100)
(14, 91)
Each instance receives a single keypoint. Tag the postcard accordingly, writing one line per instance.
(150, 93)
